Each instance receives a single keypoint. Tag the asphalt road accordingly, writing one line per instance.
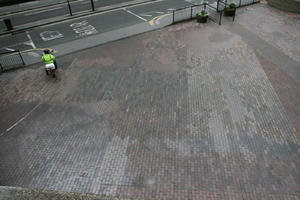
(27, 6)
(45, 37)
(60, 10)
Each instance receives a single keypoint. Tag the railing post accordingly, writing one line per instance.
(220, 21)
(8, 24)
(233, 15)
(70, 10)
(1, 67)
(93, 7)
(191, 12)
(21, 58)
(240, 3)
(173, 16)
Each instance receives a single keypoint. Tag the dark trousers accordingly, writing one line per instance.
(54, 61)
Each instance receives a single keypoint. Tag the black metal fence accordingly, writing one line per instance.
(11, 60)
(238, 3)
(187, 13)
(215, 10)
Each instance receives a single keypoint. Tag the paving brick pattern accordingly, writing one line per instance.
(186, 112)
(281, 31)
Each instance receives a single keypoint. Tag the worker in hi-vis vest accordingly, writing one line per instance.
(49, 58)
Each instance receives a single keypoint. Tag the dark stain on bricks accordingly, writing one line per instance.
(287, 89)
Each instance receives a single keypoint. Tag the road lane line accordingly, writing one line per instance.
(38, 12)
(135, 15)
(30, 40)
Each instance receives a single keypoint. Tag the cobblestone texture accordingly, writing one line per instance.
(187, 112)
(281, 30)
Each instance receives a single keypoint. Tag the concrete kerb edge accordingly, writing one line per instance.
(84, 14)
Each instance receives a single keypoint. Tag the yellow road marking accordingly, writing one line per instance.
(152, 21)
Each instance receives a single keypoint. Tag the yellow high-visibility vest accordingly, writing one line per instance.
(48, 58)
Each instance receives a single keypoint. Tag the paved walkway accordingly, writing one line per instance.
(186, 112)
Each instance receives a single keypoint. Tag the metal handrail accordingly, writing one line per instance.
(199, 5)
(220, 19)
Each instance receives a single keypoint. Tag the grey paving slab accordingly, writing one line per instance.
(191, 111)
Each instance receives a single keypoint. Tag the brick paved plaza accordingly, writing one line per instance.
(186, 112)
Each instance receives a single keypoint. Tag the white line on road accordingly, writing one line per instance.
(34, 13)
(146, 15)
(155, 12)
(151, 13)
(22, 118)
(9, 49)
(135, 15)
(30, 40)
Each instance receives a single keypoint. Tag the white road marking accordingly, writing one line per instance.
(34, 13)
(50, 35)
(30, 40)
(151, 13)
(83, 28)
(146, 15)
(22, 118)
(135, 15)
(9, 49)
(155, 12)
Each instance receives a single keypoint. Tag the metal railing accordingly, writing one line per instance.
(187, 13)
(239, 3)
(215, 14)
(11, 60)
